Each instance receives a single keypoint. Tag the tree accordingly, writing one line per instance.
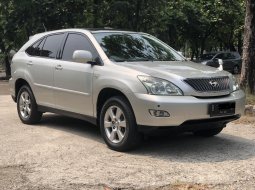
(193, 25)
(248, 67)
(20, 19)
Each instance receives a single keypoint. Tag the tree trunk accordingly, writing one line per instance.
(137, 12)
(202, 47)
(221, 46)
(248, 67)
(240, 51)
(7, 67)
(192, 54)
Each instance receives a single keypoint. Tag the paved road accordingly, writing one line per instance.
(64, 153)
(4, 87)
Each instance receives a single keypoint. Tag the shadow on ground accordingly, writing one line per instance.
(71, 125)
(174, 147)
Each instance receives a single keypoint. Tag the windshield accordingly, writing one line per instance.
(207, 56)
(133, 47)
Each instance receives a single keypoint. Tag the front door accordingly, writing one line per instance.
(72, 80)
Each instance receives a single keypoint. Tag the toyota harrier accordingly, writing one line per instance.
(125, 82)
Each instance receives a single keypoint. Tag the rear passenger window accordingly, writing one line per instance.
(51, 45)
(38, 50)
(76, 42)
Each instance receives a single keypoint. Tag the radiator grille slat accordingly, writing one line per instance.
(209, 84)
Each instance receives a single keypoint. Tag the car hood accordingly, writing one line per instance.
(174, 69)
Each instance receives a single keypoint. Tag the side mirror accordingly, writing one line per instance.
(220, 61)
(82, 56)
(220, 64)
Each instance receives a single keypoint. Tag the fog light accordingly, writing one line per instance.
(159, 113)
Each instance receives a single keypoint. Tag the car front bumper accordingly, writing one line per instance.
(182, 109)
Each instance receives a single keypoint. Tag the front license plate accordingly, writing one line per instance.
(220, 109)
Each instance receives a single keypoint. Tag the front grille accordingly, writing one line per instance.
(209, 84)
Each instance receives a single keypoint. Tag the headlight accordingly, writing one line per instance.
(235, 83)
(204, 62)
(159, 86)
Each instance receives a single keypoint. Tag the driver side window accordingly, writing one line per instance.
(76, 42)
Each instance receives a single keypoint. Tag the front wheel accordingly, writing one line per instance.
(27, 107)
(117, 124)
(208, 132)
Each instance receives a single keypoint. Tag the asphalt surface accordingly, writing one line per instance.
(65, 153)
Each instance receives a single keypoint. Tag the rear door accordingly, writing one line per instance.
(72, 80)
(41, 63)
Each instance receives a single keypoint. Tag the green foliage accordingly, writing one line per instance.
(198, 24)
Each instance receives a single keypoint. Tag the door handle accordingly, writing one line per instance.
(59, 67)
(29, 63)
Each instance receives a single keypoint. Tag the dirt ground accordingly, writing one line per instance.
(64, 153)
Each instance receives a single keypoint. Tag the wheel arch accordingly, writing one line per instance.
(18, 84)
(107, 93)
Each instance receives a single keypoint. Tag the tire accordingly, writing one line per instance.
(27, 107)
(208, 132)
(118, 126)
(236, 70)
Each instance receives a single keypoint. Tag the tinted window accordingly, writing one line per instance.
(51, 45)
(135, 47)
(207, 56)
(220, 56)
(33, 49)
(230, 56)
(233, 55)
(38, 50)
(76, 42)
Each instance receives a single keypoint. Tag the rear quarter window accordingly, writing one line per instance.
(33, 49)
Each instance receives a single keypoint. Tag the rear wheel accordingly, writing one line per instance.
(117, 124)
(27, 107)
(208, 132)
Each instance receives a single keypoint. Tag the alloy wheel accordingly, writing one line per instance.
(25, 105)
(115, 124)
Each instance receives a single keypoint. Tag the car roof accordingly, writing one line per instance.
(218, 52)
(35, 37)
(91, 30)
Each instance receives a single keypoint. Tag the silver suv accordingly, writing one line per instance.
(128, 83)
